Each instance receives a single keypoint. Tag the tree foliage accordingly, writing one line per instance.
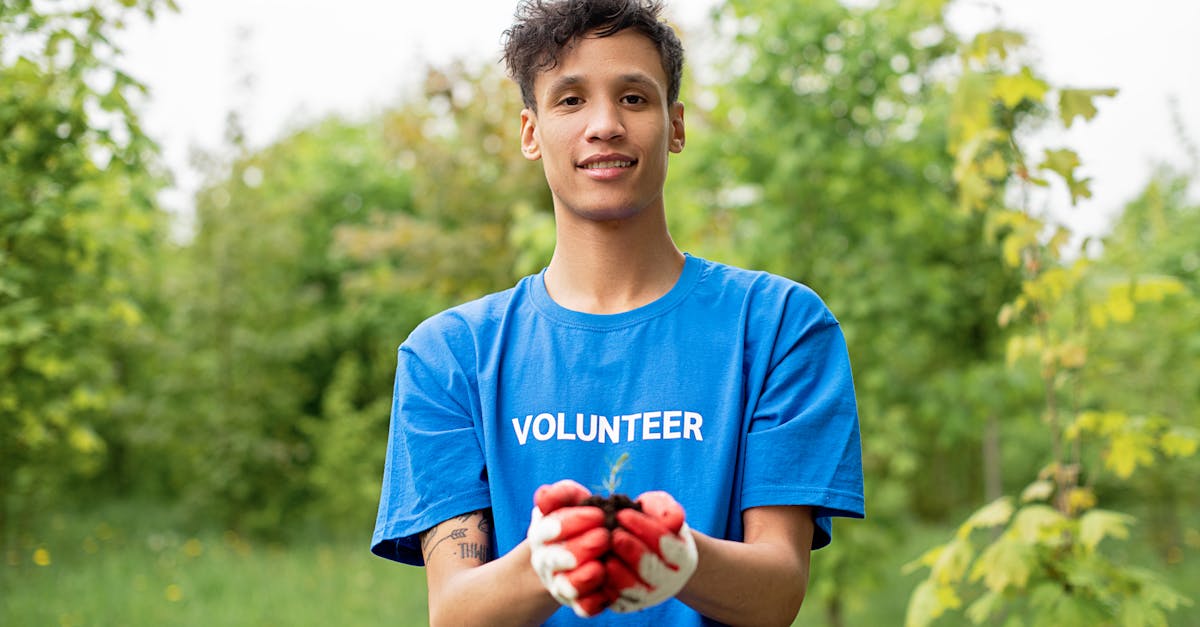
(77, 226)
(311, 261)
(823, 158)
(1043, 563)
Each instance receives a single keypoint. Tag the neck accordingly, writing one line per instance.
(612, 266)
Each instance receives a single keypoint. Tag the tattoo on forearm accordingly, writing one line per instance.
(429, 545)
(473, 550)
(431, 539)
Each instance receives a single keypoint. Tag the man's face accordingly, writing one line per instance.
(603, 127)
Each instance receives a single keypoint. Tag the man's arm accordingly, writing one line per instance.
(467, 587)
(761, 581)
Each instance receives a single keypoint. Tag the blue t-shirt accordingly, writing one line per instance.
(731, 391)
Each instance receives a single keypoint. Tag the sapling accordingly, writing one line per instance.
(614, 502)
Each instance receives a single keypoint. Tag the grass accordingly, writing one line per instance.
(131, 565)
(120, 567)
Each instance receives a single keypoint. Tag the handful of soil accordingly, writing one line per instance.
(611, 505)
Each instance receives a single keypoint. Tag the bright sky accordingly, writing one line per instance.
(309, 58)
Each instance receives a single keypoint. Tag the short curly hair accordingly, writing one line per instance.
(542, 29)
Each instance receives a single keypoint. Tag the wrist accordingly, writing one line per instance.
(704, 547)
(526, 585)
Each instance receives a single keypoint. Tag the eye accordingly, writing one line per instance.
(571, 101)
(633, 99)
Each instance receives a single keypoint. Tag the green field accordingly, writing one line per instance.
(130, 565)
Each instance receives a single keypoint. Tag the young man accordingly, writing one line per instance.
(729, 391)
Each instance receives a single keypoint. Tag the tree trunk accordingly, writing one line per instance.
(993, 472)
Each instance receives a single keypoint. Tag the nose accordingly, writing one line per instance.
(605, 122)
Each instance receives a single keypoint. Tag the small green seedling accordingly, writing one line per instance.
(614, 472)
(614, 502)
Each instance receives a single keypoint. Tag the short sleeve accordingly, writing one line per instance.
(804, 447)
(434, 469)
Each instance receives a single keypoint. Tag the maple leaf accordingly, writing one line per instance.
(999, 42)
(1127, 451)
(1097, 524)
(1074, 103)
(1064, 162)
(1011, 89)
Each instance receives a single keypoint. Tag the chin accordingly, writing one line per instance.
(605, 213)
(598, 208)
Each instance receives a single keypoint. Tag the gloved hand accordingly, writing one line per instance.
(656, 551)
(567, 540)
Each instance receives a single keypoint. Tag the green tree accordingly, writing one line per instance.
(255, 330)
(824, 159)
(312, 259)
(475, 218)
(1042, 561)
(1157, 235)
(78, 227)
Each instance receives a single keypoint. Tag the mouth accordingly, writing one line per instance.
(611, 162)
(607, 165)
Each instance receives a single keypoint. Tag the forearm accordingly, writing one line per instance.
(504, 591)
(746, 584)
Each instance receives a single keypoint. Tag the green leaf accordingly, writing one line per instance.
(1079, 499)
(1038, 524)
(1006, 563)
(1079, 188)
(1139, 612)
(929, 601)
(1155, 591)
(997, 42)
(993, 514)
(1064, 162)
(1098, 524)
(1075, 610)
(1040, 490)
(1178, 443)
(923, 607)
(1127, 450)
(984, 607)
(1045, 595)
(927, 559)
(952, 562)
(1074, 103)
(1012, 89)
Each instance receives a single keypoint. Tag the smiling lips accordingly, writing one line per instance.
(607, 167)
(604, 165)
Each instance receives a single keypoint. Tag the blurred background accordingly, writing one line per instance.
(219, 219)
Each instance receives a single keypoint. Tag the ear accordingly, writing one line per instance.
(530, 146)
(677, 133)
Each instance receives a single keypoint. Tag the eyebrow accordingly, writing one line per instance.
(563, 83)
(568, 81)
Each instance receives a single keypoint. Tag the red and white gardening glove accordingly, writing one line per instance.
(656, 552)
(567, 541)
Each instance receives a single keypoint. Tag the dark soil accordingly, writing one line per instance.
(611, 505)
